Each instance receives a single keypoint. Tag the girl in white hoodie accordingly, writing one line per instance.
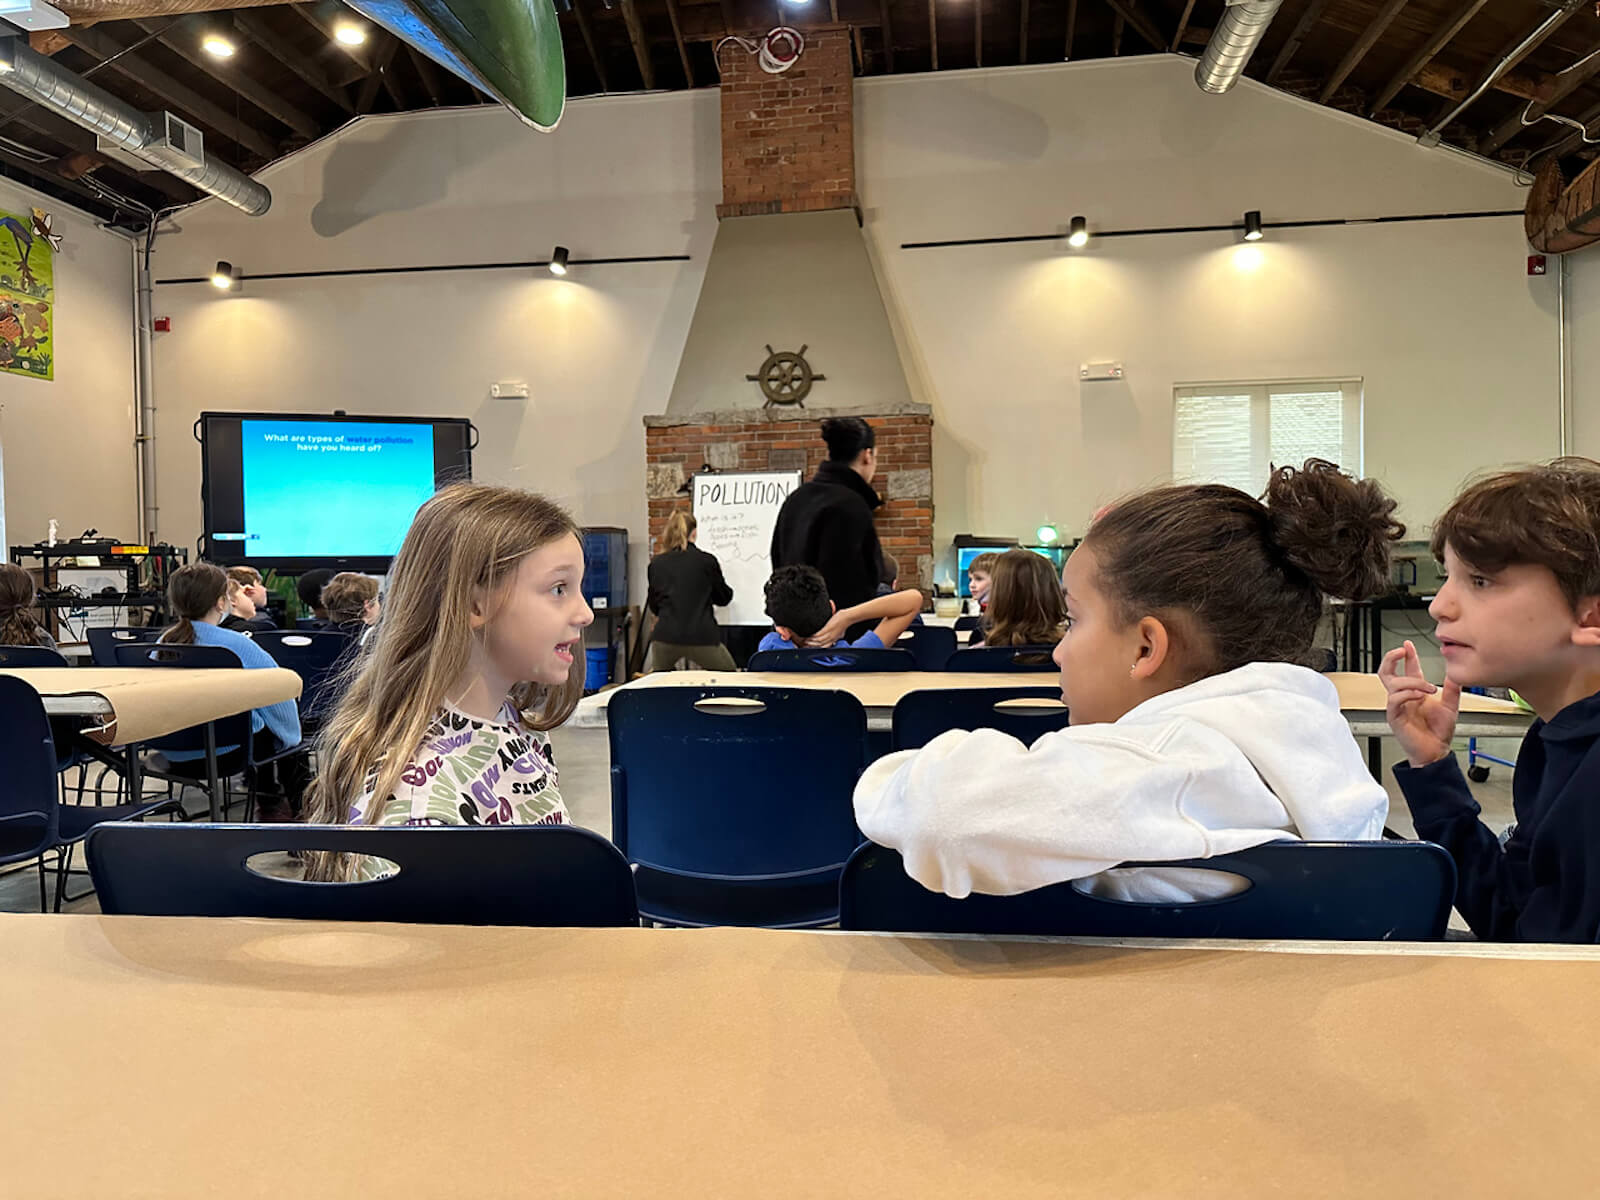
(1194, 729)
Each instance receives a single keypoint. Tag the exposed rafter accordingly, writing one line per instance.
(1296, 39)
(587, 34)
(641, 46)
(1561, 86)
(1368, 39)
(186, 102)
(257, 30)
(383, 56)
(1426, 53)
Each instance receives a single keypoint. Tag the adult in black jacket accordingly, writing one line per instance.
(827, 523)
(685, 582)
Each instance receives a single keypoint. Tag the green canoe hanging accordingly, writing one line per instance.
(510, 49)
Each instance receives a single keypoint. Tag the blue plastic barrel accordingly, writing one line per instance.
(598, 673)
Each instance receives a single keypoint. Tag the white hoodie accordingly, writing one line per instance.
(1250, 756)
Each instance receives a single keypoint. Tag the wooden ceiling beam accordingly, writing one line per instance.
(1072, 30)
(683, 49)
(1560, 87)
(364, 55)
(383, 56)
(933, 36)
(888, 35)
(1507, 59)
(1130, 12)
(1569, 143)
(1427, 52)
(977, 31)
(641, 44)
(188, 103)
(1369, 38)
(588, 44)
(710, 23)
(1022, 35)
(1455, 84)
(1183, 26)
(1297, 35)
(48, 42)
(428, 73)
(182, 38)
(252, 27)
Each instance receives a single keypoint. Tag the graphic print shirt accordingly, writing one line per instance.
(474, 772)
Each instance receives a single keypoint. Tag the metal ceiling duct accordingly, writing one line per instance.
(39, 79)
(1232, 43)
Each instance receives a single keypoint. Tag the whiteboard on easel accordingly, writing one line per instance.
(735, 515)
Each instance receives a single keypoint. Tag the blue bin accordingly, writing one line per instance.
(598, 674)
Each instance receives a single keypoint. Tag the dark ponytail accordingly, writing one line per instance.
(193, 591)
(847, 437)
(1239, 581)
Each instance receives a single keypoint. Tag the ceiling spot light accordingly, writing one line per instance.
(348, 33)
(558, 261)
(1252, 226)
(217, 46)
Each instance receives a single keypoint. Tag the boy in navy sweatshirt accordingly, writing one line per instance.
(1520, 608)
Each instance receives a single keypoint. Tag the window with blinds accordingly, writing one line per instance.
(1236, 433)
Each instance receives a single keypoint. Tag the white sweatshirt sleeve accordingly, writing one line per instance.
(981, 812)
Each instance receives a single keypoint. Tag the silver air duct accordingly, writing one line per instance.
(143, 134)
(1232, 43)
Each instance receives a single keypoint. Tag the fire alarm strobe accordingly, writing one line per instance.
(785, 377)
(1100, 371)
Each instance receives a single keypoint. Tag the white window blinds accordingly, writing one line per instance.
(1236, 433)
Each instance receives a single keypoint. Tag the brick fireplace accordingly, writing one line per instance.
(678, 445)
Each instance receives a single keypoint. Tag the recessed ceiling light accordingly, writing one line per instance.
(217, 46)
(349, 33)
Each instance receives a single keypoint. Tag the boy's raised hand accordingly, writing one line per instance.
(838, 625)
(1422, 716)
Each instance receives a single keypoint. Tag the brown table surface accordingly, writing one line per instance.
(195, 1058)
(135, 704)
(1361, 697)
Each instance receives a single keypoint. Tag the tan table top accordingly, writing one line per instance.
(135, 704)
(1361, 697)
(349, 1061)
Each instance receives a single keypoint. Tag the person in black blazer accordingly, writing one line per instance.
(685, 582)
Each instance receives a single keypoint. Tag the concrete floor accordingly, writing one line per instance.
(584, 761)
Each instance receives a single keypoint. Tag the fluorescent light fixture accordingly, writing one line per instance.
(1252, 226)
(223, 277)
(558, 261)
(217, 46)
(1080, 232)
(348, 33)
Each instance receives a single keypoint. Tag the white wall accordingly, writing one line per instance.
(623, 178)
(1439, 319)
(1456, 345)
(68, 442)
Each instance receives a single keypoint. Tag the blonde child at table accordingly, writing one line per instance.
(1194, 729)
(445, 719)
(1026, 607)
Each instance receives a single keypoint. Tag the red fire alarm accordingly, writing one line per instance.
(1536, 264)
(164, 324)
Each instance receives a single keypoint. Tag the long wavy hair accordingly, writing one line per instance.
(464, 543)
(1026, 607)
(18, 627)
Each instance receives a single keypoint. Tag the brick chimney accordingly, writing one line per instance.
(788, 141)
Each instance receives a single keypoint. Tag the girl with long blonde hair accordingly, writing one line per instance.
(444, 718)
(685, 584)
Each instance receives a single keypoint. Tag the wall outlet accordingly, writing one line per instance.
(509, 390)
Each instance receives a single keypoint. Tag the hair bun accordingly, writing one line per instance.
(1333, 528)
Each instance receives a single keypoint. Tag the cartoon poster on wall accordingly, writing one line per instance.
(27, 294)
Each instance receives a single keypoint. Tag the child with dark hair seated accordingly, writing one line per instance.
(803, 615)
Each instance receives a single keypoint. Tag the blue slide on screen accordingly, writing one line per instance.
(335, 488)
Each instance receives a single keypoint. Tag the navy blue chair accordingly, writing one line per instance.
(967, 622)
(233, 731)
(318, 657)
(1340, 891)
(735, 803)
(33, 821)
(309, 624)
(833, 658)
(993, 659)
(930, 645)
(104, 640)
(921, 716)
(448, 875)
(22, 657)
